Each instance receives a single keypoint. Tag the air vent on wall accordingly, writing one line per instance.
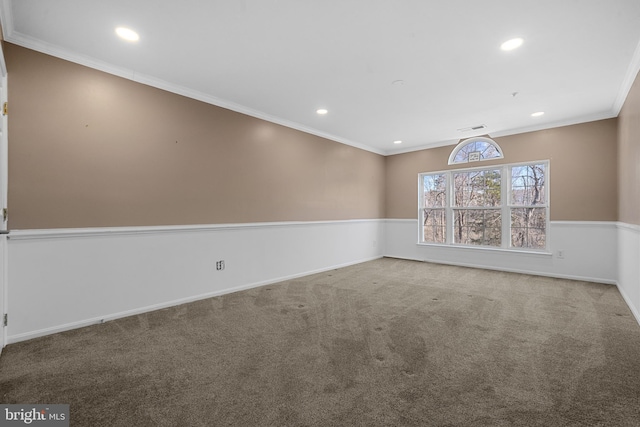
(478, 127)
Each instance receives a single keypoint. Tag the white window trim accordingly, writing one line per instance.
(467, 141)
(506, 206)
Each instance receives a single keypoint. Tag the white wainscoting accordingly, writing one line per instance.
(629, 266)
(3, 288)
(64, 279)
(590, 251)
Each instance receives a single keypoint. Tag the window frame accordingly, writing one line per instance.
(505, 207)
(455, 207)
(462, 144)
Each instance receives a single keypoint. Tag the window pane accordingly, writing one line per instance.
(477, 227)
(477, 189)
(434, 225)
(476, 204)
(489, 151)
(483, 149)
(434, 187)
(463, 155)
(528, 228)
(528, 185)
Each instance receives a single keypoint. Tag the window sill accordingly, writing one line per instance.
(544, 253)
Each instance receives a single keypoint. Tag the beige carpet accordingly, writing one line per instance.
(383, 343)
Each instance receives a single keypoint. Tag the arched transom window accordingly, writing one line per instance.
(474, 150)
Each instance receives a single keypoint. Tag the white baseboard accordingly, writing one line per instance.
(629, 266)
(141, 310)
(630, 303)
(590, 251)
(65, 279)
(518, 271)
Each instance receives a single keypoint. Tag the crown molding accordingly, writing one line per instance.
(496, 134)
(6, 17)
(12, 36)
(87, 61)
(49, 49)
(627, 82)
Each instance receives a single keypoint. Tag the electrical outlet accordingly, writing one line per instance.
(560, 254)
(220, 265)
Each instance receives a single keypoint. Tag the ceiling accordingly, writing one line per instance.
(281, 60)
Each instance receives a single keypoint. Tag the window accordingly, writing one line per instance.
(502, 206)
(528, 206)
(434, 204)
(475, 149)
(476, 207)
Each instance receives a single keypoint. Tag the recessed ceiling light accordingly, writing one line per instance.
(538, 114)
(127, 34)
(322, 111)
(512, 44)
(397, 141)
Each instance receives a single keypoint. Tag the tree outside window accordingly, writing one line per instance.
(528, 211)
(477, 202)
(434, 204)
(502, 206)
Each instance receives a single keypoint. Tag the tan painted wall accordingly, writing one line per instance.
(88, 149)
(583, 163)
(629, 156)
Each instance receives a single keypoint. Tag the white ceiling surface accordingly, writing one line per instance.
(281, 60)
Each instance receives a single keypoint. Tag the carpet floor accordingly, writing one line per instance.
(384, 343)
